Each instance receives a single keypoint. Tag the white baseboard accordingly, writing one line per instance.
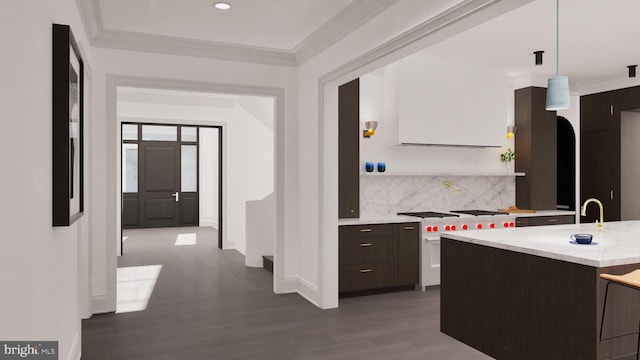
(309, 292)
(303, 288)
(99, 304)
(75, 352)
(209, 222)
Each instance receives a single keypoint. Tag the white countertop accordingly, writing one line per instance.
(382, 219)
(618, 245)
(379, 219)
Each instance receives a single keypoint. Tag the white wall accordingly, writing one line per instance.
(40, 268)
(209, 200)
(379, 101)
(136, 68)
(630, 167)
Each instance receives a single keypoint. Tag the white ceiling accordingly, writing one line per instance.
(598, 39)
(275, 24)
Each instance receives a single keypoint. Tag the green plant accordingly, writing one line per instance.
(507, 156)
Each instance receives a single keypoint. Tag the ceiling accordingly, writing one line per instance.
(598, 39)
(281, 32)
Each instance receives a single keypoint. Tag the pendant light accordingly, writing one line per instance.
(557, 86)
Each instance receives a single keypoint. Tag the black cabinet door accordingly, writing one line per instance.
(408, 253)
(600, 173)
(349, 150)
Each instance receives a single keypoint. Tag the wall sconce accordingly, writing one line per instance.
(511, 131)
(371, 129)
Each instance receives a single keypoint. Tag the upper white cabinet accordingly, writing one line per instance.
(445, 103)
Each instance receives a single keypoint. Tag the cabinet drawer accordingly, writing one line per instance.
(367, 250)
(544, 220)
(367, 276)
(365, 231)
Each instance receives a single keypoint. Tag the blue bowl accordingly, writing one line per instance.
(583, 239)
(382, 167)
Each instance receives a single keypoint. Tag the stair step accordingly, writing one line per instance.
(267, 263)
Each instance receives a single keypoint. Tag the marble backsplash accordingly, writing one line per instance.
(388, 195)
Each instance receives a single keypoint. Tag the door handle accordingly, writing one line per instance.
(176, 195)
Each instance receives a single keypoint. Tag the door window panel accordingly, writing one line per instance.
(159, 133)
(189, 168)
(129, 132)
(130, 168)
(189, 134)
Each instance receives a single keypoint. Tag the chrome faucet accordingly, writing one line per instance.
(583, 212)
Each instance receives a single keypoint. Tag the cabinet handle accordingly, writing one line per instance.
(611, 109)
(365, 244)
(362, 271)
(611, 194)
(553, 220)
(366, 230)
(409, 227)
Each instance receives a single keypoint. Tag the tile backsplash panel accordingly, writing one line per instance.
(388, 195)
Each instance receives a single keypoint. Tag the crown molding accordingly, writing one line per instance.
(127, 40)
(340, 25)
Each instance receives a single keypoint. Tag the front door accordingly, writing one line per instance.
(164, 192)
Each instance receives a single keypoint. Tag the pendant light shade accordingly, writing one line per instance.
(557, 93)
(557, 86)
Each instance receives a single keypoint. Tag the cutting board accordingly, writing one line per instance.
(516, 210)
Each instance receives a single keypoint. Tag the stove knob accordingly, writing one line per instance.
(435, 228)
(492, 225)
(447, 228)
(464, 227)
(453, 227)
(479, 226)
(506, 224)
(511, 224)
(428, 229)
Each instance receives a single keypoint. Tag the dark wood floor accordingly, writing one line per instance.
(208, 305)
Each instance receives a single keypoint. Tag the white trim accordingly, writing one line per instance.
(209, 221)
(113, 161)
(99, 304)
(308, 291)
(342, 24)
(289, 285)
(128, 40)
(75, 352)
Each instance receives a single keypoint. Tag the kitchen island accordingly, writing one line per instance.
(528, 293)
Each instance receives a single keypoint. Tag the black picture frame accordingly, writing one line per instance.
(68, 127)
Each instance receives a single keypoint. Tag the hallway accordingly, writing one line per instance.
(207, 305)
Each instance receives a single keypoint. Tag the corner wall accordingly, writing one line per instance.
(43, 278)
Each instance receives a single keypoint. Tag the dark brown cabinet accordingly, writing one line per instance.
(544, 220)
(378, 256)
(349, 150)
(600, 149)
(536, 150)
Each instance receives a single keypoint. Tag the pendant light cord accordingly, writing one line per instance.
(557, 38)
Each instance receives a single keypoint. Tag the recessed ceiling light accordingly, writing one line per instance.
(222, 6)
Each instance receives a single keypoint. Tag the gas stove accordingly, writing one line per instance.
(455, 220)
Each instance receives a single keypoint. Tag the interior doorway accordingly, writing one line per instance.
(566, 157)
(171, 176)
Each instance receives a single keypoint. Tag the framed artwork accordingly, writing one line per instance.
(68, 129)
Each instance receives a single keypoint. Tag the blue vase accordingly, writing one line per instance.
(368, 167)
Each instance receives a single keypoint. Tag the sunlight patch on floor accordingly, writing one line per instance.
(185, 239)
(135, 286)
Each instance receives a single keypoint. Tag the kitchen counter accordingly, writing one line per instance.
(618, 245)
(528, 293)
(387, 219)
(379, 219)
